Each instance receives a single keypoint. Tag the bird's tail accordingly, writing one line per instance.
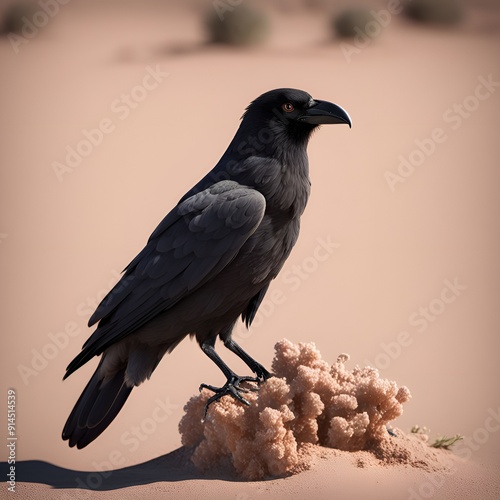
(96, 408)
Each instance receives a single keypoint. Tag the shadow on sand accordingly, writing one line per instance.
(175, 466)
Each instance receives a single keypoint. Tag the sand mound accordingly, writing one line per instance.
(306, 406)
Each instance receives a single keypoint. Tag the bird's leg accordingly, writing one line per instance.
(232, 386)
(257, 368)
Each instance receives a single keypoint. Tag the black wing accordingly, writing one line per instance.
(192, 244)
(254, 304)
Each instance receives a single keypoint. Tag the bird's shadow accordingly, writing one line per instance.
(172, 467)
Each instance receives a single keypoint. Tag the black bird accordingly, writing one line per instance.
(209, 261)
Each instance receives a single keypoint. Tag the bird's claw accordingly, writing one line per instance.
(232, 388)
(262, 373)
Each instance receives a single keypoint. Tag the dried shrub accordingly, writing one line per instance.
(356, 21)
(239, 26)
(442, 12)
(307, 402)
(17, 15)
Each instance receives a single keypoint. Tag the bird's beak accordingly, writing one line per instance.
(325, 112)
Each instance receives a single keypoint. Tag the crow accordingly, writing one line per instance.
(209, 261)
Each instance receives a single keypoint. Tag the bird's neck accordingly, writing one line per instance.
(274, 165)
(270, 160)
(275, 140)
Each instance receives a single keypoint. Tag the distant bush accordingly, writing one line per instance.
(15, 15)
(353, 21)
(240, 26)
(444, 12)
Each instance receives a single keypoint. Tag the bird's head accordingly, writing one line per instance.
(290, 114)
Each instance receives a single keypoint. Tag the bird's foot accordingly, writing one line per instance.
(233, 388)
(262, 373)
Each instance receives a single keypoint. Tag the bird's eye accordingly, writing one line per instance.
(287, 107)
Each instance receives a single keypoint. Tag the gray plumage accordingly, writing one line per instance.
(207, 263)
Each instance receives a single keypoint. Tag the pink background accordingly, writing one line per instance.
(389, 252)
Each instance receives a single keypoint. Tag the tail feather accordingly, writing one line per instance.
(93, 433)
(96, 408)
(108, 393)
(72, 422)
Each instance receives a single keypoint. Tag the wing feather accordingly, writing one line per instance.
(192, 244)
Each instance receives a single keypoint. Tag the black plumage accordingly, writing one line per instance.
(208, 262)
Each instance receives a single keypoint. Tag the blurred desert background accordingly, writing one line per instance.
(397, 262)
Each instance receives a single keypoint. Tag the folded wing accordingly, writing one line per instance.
(192, 244)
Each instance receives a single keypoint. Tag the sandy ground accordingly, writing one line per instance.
(372, 261)
(336, 473)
